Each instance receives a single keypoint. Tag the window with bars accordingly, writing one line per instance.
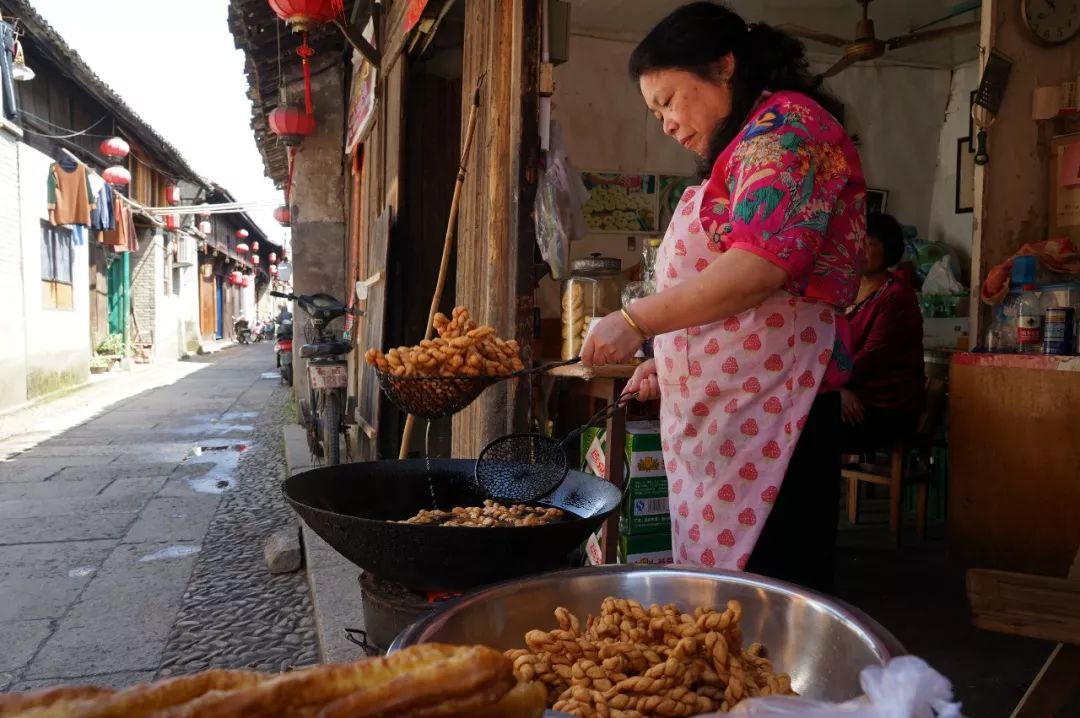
(57, 267)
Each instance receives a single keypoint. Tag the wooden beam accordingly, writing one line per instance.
(360, 44)
(496, 242)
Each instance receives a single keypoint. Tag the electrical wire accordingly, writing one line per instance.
(70, 133)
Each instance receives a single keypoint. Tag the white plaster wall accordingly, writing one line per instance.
(945, 224)
(12, 334)
(57, 341)
(897, 113)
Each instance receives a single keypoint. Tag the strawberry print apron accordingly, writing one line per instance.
(735, 396)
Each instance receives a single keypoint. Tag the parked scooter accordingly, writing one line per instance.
(283, 350)
(322, 412)
(241, 330)
(258, 331)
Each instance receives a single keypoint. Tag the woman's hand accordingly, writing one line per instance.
(851, 408)
(611, 341)
(644, 382)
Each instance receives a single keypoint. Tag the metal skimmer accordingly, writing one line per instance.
(527, 467)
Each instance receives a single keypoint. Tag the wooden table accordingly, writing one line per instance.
(607, 384)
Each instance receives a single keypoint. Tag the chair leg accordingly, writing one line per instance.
(922, 491)
(853, 501)
(896, 494)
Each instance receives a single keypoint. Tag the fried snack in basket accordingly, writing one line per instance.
(59, 698)
(637, 662)
(462, 348)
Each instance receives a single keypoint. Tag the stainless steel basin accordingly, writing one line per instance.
(821, 642)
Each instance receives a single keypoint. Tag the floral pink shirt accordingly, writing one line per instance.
(790, 189)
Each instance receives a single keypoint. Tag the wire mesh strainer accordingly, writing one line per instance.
(526, 467)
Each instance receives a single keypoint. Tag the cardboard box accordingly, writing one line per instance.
(653, 549)
(644, 453)
(645, 507)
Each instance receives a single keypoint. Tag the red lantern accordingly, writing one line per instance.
(172, 194)
(273, 270)
(283, 215)
(255, 246)
(255, 259)
(241, 234)
(116, 175)
(242, 248)
(246, 281)
(291, 124)
(236, 277)
(115, 148)
(302, 14)
(205, 227)
(273, 258)
(172, 222)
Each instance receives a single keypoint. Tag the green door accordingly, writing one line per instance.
(119, 294)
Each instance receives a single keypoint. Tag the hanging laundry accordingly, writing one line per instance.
(7, 77)
(123, 238)
(78, 234)
(70, 198)
(102, 217)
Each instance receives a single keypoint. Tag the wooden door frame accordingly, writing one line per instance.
(496, 236)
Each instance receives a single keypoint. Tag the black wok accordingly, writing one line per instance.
(355, 507)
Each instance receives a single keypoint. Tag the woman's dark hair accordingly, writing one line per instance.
(697, 35)
(885, 229)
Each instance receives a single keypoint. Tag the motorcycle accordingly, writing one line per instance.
(283, 350)
(322, 412)
(241, 330)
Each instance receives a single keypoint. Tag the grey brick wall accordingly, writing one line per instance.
(145, 286)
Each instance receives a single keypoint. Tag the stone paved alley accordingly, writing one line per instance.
(131, 543)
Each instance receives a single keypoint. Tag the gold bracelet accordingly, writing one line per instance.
(633, 325)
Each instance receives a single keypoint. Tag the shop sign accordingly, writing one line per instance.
(414, 13)
(362, 98)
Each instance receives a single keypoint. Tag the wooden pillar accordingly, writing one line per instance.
(496, 244)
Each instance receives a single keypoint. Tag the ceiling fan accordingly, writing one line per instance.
(866, 46)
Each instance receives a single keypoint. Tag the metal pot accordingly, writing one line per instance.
(822, 643)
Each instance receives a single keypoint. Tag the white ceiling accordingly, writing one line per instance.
(632, 19)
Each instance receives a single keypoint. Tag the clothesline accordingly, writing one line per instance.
(222, 208)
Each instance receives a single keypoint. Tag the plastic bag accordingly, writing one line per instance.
(560, 196)
(941, 280)
(904, 688)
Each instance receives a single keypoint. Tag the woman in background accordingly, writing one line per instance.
(886, 394)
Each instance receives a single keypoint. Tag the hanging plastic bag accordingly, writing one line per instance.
(905, 688)
(560, 196)
(941, 280)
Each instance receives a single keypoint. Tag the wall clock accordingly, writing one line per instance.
(1051, 22)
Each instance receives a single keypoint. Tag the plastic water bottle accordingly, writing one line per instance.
(1029, 322)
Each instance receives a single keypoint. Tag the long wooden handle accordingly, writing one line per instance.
(448, 245)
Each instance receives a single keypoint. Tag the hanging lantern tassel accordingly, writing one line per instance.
(306, 52)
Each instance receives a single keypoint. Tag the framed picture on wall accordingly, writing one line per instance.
(876, 200)
(621, 202)
(965, 177)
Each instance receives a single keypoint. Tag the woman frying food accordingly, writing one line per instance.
(755, 268)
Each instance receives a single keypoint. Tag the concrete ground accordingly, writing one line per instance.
(132, 514)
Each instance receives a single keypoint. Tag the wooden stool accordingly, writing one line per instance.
(894, 475)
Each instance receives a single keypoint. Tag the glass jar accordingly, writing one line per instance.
(593, 290)
(645, 286)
